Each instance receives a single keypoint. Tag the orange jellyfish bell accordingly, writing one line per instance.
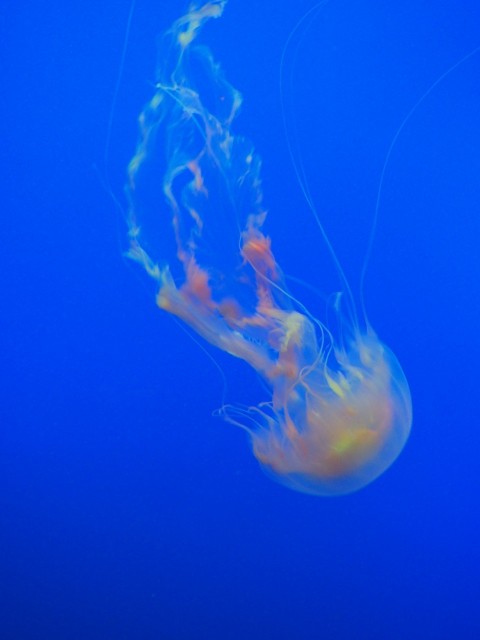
(330, 433)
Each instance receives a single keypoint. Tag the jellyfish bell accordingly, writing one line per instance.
(331, 431)
(352, 429)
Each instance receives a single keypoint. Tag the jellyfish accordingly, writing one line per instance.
(338, 411)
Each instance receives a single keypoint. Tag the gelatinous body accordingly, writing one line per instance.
(340, 410)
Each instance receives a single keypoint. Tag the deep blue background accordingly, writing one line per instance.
(127, 510)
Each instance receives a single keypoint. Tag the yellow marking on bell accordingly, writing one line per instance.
(348, 440)
(334, 386)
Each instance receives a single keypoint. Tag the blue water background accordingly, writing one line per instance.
(128, 510)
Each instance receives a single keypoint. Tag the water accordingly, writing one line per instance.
(128, 511)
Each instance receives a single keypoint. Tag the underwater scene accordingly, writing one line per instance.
(241, 299)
